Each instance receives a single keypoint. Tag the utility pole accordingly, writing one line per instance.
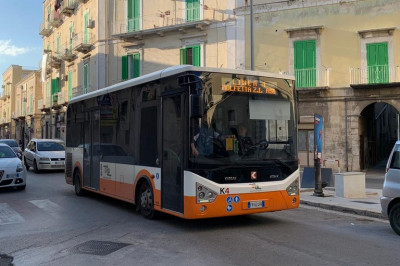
(251, 37)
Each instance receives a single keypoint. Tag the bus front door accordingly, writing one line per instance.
(91, 156)
(173, 139)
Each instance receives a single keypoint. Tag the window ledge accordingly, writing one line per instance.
(373, 33)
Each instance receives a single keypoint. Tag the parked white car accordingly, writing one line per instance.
(44, 154)
(390, 200)
(12, 172)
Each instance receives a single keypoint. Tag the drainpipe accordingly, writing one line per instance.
(345, 130)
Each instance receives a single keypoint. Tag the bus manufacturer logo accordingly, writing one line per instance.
(230, 178)
(253, 175)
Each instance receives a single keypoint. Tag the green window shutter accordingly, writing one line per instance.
(58, 42)
(125, 67)
(305, 63)
(86, 37)
(196, 9)
(189, 7)
(136, 65)
(133, 15)
(377, 63)
(192, 10)
(71, 31)
(196, 55)
(182, 56)
(70, 82)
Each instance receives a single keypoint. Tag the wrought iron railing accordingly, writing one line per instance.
(379, 74)
(312, 77)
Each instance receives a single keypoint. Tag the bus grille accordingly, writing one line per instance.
(68, 164)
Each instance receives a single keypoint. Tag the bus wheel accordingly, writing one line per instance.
(77, 183)
(147, 201)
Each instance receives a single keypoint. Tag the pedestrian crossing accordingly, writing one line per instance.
(8, 215)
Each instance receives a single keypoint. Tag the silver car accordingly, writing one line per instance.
(44, 154)
(390, 200)
(12, 172)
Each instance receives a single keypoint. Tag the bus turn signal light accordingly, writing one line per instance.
(204, 194)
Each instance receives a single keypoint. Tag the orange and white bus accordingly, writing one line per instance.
(188, 141)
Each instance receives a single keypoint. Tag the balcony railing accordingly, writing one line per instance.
(82, 42)
(68, 7)
(55, 19)
(312, 77)
(77, 91)
(168, 19)
(67, 53)
(381, 74)
(45, 29)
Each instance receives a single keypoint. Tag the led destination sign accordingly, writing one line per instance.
(248, 86)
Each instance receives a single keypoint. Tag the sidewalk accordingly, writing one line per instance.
(369, 206)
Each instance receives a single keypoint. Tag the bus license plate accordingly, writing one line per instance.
(255, 204)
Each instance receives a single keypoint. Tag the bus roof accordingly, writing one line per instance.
(170, 71)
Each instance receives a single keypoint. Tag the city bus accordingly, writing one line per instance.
(188, 141)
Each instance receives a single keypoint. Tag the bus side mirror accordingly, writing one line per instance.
(195, 105)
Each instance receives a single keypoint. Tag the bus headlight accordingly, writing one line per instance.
(204, 194)
(293, 189)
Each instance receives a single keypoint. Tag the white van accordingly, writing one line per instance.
(390, 200)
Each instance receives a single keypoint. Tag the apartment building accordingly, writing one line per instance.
(27, 116)
(9, 110)
(152, 35)
(345, 56)
(73, 57)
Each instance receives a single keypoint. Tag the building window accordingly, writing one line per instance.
(377, 63)
(133, 15)
(305, 63)
(86, 33)
(130, 66)
(190, 56)
(70, 80)
(192, 10)
(86, 76)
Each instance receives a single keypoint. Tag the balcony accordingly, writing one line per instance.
(68, 7)
(312, 78)
(375, 76)
(82, 42)
(67, 55)
(61, 99)
(77, 91)
(54, 62)
(55, 19)
(167, 21)
(44, 29)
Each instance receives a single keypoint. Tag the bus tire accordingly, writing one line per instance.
(146, 201)
(35, 168)
(77, 184)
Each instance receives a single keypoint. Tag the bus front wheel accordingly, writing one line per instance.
(78, 185)
(146, 201)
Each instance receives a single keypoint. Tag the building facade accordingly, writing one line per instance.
(9, 110)
(345, 56)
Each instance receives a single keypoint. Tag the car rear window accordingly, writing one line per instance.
(395, 163)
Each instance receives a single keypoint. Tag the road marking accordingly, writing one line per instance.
(48, 206)
(8, 215)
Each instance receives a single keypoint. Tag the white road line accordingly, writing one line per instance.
(48, 206)
(8, 215)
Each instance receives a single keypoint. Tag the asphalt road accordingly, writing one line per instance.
(49, 225)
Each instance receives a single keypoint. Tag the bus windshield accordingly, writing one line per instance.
(243, 122)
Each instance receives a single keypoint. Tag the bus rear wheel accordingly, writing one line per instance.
(78, 185)
(146, 201)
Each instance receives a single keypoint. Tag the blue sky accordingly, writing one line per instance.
(20, 42)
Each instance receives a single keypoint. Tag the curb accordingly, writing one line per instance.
(344, 209)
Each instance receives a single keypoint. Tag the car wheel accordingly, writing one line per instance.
(78, 185)
(35, 168)
(21, 187)
(26, 164)
(147, 201)
(394, 218)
